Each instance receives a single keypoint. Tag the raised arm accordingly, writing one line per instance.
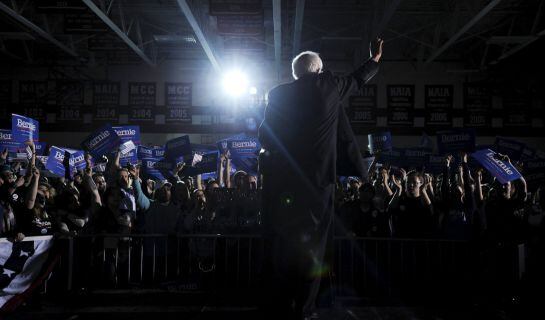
(385, 181)
(479, 185)
(356, 79)
(142, 202)
(33, 188)
(89, 184)
(445, 183)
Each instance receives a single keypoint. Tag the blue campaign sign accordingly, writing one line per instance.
(7, 142)
(415, 157)
(528, 154)
(456, 141)
(56, 157)
(128, 158)
(126, 133)
(534, 172)
(392, 157)
(209, 175)
(247, 147)
(24, 128)
(223, 144)
(144, 152)
(177, 147)
(55, 161)
(101, 142)
(512, 148)
(158, 152)
(379, 142)
(208, 163)
(77, 160)
(502, 170)
(150, 169)
(247, 164)
(40, 148)
(534, 165)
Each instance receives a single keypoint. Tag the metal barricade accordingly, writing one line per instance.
(390, 268)
(177, 262)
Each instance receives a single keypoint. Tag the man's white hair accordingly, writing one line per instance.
(306, 62)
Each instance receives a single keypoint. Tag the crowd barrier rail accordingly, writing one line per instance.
(373, 268)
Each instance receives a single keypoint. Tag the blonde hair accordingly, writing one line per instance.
(306, 62)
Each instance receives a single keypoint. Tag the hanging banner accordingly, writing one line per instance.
(106, 97)
(439, 103)
(217, 7)
(455, 141)
(33, 98)
(240, 25)
(142, 97)
(178, 100)
(86, 22)
(69, 97)
(379, 142)
(502, 170)
(60, 6)
(101, 142)
(477, 104)
(517, 104)
(24, 128)
(400, 103)
(363, 107)
(5, 98)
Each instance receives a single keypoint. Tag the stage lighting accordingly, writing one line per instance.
(253, 91)
(235, 83)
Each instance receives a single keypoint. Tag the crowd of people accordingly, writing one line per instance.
(460, 203)
(121, 200)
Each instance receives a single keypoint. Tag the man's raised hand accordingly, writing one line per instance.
(376, 49)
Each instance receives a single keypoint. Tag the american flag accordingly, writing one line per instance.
(20, 264)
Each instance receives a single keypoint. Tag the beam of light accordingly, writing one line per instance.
(235, 83)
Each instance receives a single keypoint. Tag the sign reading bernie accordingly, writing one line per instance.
(7, 142)
(101, 142)
(55, 161)
(455, 141)
(502, 170)
(24, 128)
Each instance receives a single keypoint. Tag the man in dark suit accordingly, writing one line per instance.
(307, 141)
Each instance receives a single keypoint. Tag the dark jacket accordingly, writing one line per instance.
(306, 130)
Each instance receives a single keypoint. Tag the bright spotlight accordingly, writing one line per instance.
(235, 83)
(253, 91)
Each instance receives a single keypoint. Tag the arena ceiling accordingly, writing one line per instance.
(479, 33)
